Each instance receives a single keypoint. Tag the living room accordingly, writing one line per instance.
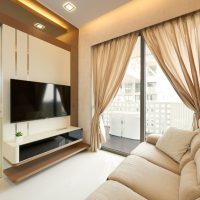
(100, 99)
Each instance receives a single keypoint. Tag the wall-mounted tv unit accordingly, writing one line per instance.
(33, 100)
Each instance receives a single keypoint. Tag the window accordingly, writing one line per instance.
(128, 88)
(137, 97)
(151, 84)
(151, 97)
(164, 108)
(152, 68)
(137, 87)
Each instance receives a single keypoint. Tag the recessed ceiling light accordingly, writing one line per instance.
(69, 6)
(39, 26)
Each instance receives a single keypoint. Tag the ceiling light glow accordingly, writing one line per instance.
(69, 6)
(38, 9)
(39, 26)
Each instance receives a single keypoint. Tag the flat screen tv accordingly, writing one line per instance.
(33, 100)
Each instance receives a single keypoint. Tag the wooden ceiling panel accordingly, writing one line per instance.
(29, 17)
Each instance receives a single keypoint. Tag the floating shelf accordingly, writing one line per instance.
(17, 174)
(40, 144)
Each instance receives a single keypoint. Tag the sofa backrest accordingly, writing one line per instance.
(190, 179)
(190, 154)
(197, 162)
(195, 145)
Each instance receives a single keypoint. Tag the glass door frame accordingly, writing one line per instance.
(142, 90)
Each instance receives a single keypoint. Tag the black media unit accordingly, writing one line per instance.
(42, 146)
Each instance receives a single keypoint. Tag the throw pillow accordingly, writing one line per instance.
(175, 142)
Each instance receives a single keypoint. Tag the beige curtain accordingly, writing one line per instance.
(176, 46)
(109, 62)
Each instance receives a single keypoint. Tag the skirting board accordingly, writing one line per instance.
(17, 174)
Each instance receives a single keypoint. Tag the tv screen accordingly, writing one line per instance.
(33, 100)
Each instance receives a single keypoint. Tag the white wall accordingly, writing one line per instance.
(135, 15)
(47, 63)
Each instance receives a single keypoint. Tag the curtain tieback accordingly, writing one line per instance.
(197, 113)
(196, 117)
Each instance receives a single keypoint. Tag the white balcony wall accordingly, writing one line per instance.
(160, 116)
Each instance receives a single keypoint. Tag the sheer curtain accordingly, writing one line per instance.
(176, 46)
(109, 63)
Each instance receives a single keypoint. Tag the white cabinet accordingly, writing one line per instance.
(48, 63)
(131, 126)
(116, 124)
(125, 124)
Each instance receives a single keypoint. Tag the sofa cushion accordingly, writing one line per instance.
(189, 188)
(197, 162)
(147, 179)
(112, 190)
(154, 155)
(175, 142)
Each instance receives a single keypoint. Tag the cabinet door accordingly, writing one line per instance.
(116, 124)
(48, 63)
(131, 126)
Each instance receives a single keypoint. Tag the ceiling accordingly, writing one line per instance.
(86, 11)
(28, 18)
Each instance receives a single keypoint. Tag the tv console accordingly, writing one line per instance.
(39, 151)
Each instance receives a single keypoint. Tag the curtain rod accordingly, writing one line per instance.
(140, 30)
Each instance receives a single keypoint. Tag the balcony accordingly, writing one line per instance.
(122, 122)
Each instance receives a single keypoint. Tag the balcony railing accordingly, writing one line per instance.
(123, 119)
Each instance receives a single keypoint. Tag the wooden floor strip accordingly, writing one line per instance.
(17, 174)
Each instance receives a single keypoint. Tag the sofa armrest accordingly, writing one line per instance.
(153, 138)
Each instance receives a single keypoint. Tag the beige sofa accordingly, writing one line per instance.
(149, 174)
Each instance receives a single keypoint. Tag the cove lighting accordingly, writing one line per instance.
(39, 26)
(69, 6)
(37, 8)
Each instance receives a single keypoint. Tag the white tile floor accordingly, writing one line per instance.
(72, 179)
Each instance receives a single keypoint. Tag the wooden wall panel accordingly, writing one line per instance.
(72, 39)
(67, 41)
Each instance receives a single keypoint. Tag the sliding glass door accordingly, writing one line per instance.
(122, 117)
(145, 103)
(164, 108)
